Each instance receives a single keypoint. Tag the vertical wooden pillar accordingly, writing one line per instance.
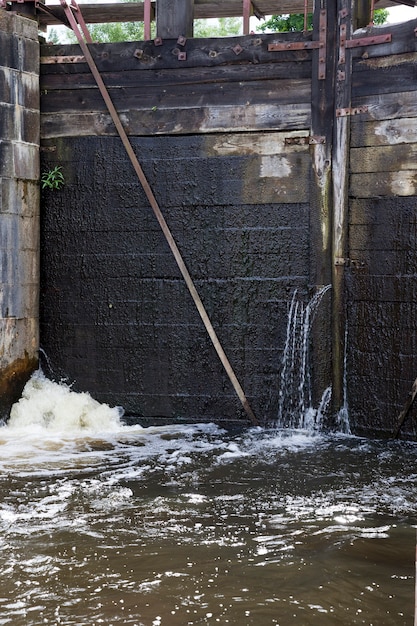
(341, 141)
(174, 18)
(321, 135)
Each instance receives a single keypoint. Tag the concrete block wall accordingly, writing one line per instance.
(19, 204)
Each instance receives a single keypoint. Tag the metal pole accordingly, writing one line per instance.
(157, 211)
(147, 19)
(246, 16)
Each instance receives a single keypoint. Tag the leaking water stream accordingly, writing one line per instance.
(103, 523)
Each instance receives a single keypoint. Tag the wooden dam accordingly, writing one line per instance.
(282, 163)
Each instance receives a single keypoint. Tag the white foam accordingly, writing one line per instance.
(56, 407)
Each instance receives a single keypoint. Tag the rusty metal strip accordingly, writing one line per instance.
(157, 211)
(323, 44)
(359, 42)
(295, 45)
(147, 9)
(247, 9)
(305, 15)
(75, 18)
(374, 40)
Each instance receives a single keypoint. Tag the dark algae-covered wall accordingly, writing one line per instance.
(279, 171)
(114, 305)
(382, 275)
(222, 159)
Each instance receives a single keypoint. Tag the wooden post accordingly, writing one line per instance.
(340, 167)
(361, 14)
(322, 107)
(174, 18)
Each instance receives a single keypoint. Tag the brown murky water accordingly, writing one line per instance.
(109, 524)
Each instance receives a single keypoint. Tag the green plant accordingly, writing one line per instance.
(53, 179)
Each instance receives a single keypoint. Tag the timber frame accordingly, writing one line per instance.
(185, 12)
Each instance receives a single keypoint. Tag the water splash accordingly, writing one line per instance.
(56, 407)
(342, 421)
(295, 397)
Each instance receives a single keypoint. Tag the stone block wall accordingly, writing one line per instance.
(19, 204)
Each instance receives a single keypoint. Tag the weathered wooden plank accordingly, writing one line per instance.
(61, 79)
(380, 77)
(180, 121)
(125, 56)
(384, 132)
(369, 185)
(238, 94)
(380, 159)
(402, 40)
(386, 106)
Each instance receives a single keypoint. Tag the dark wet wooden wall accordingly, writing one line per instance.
(229, 135)
(381, 275)
(223, 138)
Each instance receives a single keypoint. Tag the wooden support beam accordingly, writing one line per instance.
(203, 9)
(174, 18)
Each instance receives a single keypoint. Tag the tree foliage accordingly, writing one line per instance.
(117, 31)
(287, 23)
(295, 22)
(222, 27)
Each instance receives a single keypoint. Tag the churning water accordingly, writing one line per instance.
(102, 523)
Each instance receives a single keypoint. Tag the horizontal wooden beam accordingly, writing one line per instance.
(203, 9)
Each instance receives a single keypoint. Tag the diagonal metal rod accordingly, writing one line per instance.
(156, 209)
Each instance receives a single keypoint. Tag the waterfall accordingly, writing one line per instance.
(343, 424)
(295, 400)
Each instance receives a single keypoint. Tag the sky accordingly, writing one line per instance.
(402, 14)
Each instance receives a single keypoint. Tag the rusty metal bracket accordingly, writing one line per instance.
(345, 44)
(351, 111)
(237, 49)
(309, 45)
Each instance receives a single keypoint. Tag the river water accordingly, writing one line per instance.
(103, 523)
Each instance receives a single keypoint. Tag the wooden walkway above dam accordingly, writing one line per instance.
(282, 163)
